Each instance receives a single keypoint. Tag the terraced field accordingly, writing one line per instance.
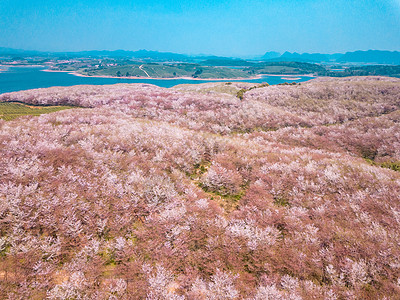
(12, 110)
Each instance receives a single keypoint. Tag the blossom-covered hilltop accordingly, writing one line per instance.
(291, 192)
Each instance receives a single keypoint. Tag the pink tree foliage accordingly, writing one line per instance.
(176, 194)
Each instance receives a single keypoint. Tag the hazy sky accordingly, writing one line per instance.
(235, 27)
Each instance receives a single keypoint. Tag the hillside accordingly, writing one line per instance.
(10, 111)
(156, 70)
(142, 192)
(285, 67)
(372, 70)
(226, 62)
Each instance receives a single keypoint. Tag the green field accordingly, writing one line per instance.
(11, 110)
(285, 67)
(175, 70)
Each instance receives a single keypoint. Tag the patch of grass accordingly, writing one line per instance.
(281, 201)
(11, 110)
(392, 165)
(199, 169)
(395, 166)
(229, 202)
(240, 93)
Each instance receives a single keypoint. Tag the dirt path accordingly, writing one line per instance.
(144, 70)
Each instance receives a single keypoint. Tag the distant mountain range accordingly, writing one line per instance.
(359, 57)
(370, 56)
(140, 54)
(271, 55)
(307, 57)
(19, 52)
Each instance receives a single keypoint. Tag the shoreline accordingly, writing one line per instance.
(283, 76)
(23, 66)
(156, 78)
(259, 76)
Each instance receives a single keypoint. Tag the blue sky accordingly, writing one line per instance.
(235, 27)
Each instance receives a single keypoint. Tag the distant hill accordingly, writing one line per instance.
(285, 67)
(140, 54)
(270, 55)
(12, 52)
(370, 70)
(368, 57)
(306, 57)
(229, 62)
(372, 56)
(311, 57)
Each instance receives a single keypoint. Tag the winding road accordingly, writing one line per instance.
(144, 70)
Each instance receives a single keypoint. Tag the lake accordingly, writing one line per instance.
(14, 79)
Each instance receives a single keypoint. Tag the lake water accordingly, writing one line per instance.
(14, 79)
